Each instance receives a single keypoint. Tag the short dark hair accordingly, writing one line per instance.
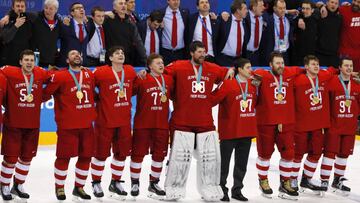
(236, 4)
(156, 15)
(71, 9)
(26, 52)
(344, 58)
(254, 3)
(277, 1)
(14, 1)
(240, 63)
(309, 58)
(96, 8)
(113, 49)
(275, 54)
(308, 2)
(151, 58)
(197, 2)
(195, 45)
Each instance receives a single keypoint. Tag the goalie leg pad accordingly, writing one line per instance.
(179, 164)
(208, 158)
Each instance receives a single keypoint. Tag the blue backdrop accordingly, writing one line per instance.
(143, 7)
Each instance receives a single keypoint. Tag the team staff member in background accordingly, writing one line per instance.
(16, 35)
(20, 134)
(151, 125)
(73, 91)
(340, 138)
(112, 126)
(174, 32)
(119, 31)
(237, 125)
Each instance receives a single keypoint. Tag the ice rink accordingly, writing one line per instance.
(40, 182)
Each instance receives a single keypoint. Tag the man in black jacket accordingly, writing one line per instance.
(305, 33)
(119, 31)
(329, 29)
(16, 34)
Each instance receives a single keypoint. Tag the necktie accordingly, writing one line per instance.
(152, 41)
(81, 33)
(204, 34)
(174, 31)
(281, 28)
(257, 34)
(102, 35)
(238, 44)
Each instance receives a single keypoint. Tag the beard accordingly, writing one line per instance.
(199, 60)
(355, 8)
(75, 63)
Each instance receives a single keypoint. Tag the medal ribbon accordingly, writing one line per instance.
(244, 94)
(278, 84)
(78, 83)
(315, 87)
(198, 74)
(162, 87)
(120, 83)
(28, 85)
(346, 89)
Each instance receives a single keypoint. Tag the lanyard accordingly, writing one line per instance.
(198, 74)
(29, 84)
(204, 25)
(99, 36)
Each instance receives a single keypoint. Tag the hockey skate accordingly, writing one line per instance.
(286, 191)
(5, 192)
(306, 184)
(265, 188)
(295, 184)
(18, 191)
(79, 194)
(117, 191)
(97, 189)
(155, 192)
(135, 188)
(60, 194)
(325, 185)
(338, 186)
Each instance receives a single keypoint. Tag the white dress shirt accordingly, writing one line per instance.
(166, 36)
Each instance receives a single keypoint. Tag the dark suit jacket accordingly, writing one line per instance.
(268, 37)
(69, 41)
(193, 18)
(185, 17)
(224, 32)
(142, 28)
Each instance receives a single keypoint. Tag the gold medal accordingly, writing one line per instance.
(198, 86)
(163, 98)
(315, 100)
(279, 97)
(244, 104)
(121, 94)
(29, 98)
(348, 103)
(79, 95)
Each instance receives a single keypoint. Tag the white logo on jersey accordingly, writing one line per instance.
(201, 85)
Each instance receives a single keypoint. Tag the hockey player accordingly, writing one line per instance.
(237, 125)
(73, 91)
(151, 126)
(192, 120)
(112, 126)
(20, 134)
(340, 139)
(312, 118)
(276, 118)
